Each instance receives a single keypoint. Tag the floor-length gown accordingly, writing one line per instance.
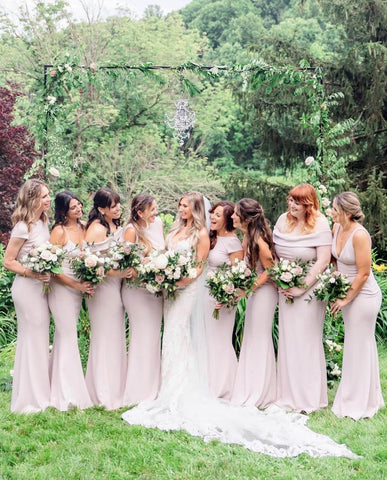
(145, 312)
(359, 393)
(31, 382)
(222, 360)
(185, 403)
(255, 382)
(68, 386)
(301, 367)
(107, 362)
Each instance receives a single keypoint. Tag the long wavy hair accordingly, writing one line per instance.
(62, 205)
(228, 210)
(253, 218)
(304, 194)
(196, 203)
(105, 197)
(28, 201)
(140, 203)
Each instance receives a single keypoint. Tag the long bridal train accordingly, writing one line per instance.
(184, 401)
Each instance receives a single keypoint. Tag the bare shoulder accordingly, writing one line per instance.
(281, 222)
(361, 235)
(96, 232)
(58, 235)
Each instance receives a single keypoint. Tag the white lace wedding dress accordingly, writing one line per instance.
(185, 403)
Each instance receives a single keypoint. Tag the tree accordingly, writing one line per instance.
(17, 154)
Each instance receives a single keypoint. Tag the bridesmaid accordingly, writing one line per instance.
(145, 310)
(106, 366)
(255, 382)
(225, 247)
(359, 393)
(302, 233)
(68, 387)
(31, 382)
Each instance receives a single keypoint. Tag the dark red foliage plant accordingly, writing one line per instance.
(17, 154)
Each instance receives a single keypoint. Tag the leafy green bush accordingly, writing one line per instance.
(7, 309)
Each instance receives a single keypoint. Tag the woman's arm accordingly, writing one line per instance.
(10, 261)
(362, 247)
(266, 259)
(236, 256)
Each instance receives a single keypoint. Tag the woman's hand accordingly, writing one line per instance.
(218, 305)
(86, 287)
(338, 305)
(292, 292)
(43, 277)
(126, 273)
(183, 282)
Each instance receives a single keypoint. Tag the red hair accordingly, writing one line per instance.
(304, 194)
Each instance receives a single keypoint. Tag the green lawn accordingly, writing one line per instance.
(98, 445)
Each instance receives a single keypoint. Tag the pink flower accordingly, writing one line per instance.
(229, 288)
(100, 272)
(247, 272)
(159, 279)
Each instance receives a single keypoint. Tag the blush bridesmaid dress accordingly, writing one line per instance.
(221, 356)
(359, 394)
(145, 312)
(31, 381)
(68, 387)
(107, 363)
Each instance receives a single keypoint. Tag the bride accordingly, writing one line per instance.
(184, 401)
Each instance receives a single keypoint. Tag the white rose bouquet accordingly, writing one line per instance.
(47, 258)
(90, 266)
(332, 286)
(289, 273)
(163, 268)
(227, 282)
(124, 255)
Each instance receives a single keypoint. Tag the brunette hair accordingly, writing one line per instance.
(228, 210)
(304, 194)
(252, 216)
(105, 197)
(196, 203)
(140, 203)
(27, 202)
(349, 202)
(62, 205)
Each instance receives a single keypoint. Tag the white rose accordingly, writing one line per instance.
(161, 261)
(46, 255)
(91, 261)
(182, 260)
(325, 202)
(177, 273)
(286, 277)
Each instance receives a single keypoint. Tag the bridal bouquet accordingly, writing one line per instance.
(333, 285)
(47, 258)
(289, 273)
(227, 282)
(163, 268)
(90, 266)
(124, 255)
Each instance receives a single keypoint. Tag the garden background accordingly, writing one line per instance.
(272, 84)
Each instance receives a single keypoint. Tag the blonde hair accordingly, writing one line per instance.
(196, 204)
(140, 203)
(349, 202)
(304, 194)
(28, 202)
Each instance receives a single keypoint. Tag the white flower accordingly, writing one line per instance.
(322, 189)
(161, 261)
(177, 273)
(285, 265)
(286, 277)
(51, 99)
(68, 68)
(328, 212)
(151, 288)
(50, 348)
(336, 371)
(11, 372)
(192, 273)
(325, 202)
(54, 173)
(91, 261)
(210, 274)
(47, 255)
(309, 161)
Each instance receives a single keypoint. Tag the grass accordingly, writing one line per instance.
(96, 444)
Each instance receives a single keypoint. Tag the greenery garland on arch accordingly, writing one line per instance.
(72, 80)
